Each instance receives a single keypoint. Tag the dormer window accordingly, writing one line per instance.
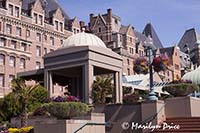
(40, 19)
(61, 26)
(10, 9)
(116, 21)
(35, 18)
(56, 24)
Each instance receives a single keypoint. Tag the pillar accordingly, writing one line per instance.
(48, 82)
(118, 87)
(88, 74)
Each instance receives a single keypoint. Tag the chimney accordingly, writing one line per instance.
(82, 23)
(109, 11)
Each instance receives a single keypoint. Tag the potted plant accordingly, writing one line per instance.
(160, 63)
(141, 65)
(179, 88)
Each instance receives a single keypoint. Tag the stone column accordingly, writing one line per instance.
(88, 81)
(118, 87)
(48, 82)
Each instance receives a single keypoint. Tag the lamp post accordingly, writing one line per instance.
(150, 47)
(152, 95)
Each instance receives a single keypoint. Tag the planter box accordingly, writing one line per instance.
(182, 107)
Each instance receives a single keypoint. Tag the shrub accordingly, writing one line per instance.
(66, 110)
(180, 89)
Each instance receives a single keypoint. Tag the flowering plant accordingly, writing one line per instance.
(160, 63)
(141, 65)
(65, 99)
(180, 88)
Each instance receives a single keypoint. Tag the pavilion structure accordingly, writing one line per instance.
(75, 65)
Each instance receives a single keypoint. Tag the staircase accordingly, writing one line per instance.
(187, 125)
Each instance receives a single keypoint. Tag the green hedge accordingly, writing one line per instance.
(66, 110)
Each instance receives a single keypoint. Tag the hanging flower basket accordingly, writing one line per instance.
(180, 88)
(141, 65)
(160, 63)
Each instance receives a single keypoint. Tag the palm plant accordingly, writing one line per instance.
(23, 93)
(101, 88)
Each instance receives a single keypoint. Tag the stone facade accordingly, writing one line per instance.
(27, 32)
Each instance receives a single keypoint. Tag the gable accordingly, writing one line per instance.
(75, 23)
(58, 14)
(38, 7)
(130, 31)
(99, 21)
(17, 2)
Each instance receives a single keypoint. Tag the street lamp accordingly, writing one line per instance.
(150, 48)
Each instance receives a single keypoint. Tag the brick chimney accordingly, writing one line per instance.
(109, 11)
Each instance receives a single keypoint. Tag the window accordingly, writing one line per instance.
(12, 61)
(27, 33)
(17, 12)
(23, 47)
(10, 9)
(11, 77)
(38, 51)
(51, 40)
(128, 71)
(40, 19)
(8, 29)
(13, 44)
(2, 42)
(120, 38)
(61, 26)
(22, 63)
(99, 29)
(61, 42)
(56, 24)
(128, 62)
(45, 37)
(1, 80)
(177, 66)
(38, 65)
(77, 31)
(45, 51)
(35, 18)
(74, 31)
(131, 39)
(38, 37)
(2, 59)
(18, 31)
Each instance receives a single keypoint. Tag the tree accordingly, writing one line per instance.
(101, 88)
(23, 94)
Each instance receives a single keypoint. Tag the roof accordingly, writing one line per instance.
(48, 5)
(123, 29)
(189, 39)
(83, 39)
(169, 51)
(149, 31)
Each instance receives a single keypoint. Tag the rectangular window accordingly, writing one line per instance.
(13, 44)
(38, 65)
(12, 61)
(27, 33)
(22, 63)
(45, 51)
(51, 40)
(2, 59)
(35, 18)
(17, 12)
(1, 80)
(56, 24)
(11, 77)
(10, 9)
(38, 37)
(45, 37)
(61, 26)
(18, 31)
(40, 19)
(2, 42)
(8, 29)
(23, 47)
(38, 51)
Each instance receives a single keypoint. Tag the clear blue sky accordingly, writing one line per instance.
(170, 18)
